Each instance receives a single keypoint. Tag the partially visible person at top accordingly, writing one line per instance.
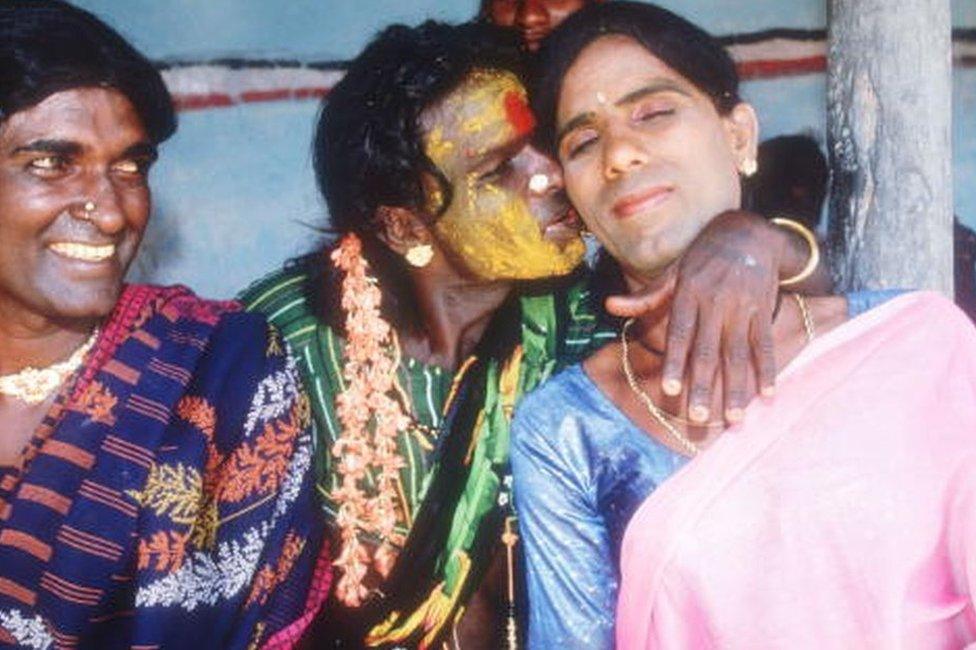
(534, 19)
(454, 286)
(791, 180)
(839, 514)
(155, 483)
(964, 249)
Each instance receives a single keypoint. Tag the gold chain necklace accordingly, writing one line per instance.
(664, 418)
(659, 415)
(34, 385)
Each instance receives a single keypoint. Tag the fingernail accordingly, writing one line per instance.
(768, 391)
(671, 387)
(698, 413)
(734, 414)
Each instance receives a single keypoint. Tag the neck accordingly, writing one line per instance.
(30, 339)
(454, 313)
(652, 326)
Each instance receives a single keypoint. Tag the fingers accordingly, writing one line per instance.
(764, 353)
(736, 359)
(639, 304)
(681, 329)
(704, 363)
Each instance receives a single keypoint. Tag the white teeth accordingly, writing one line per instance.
(85, 252)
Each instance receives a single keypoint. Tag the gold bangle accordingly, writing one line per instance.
(811, 240)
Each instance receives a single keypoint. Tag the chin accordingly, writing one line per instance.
(85, 302)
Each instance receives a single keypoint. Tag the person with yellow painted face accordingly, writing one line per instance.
(454, 285)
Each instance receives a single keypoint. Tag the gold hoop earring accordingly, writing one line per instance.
(749, 167)
(420, 255)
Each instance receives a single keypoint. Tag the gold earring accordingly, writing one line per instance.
(749, 167)
(420, 255)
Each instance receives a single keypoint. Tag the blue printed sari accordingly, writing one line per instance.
(166, 499)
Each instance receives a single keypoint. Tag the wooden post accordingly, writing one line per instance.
(889, 116)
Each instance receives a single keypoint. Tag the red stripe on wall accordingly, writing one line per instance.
(220, 100)
(196, 102)
(765, 69)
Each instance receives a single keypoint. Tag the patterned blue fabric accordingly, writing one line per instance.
(167, 499)
(581, 469)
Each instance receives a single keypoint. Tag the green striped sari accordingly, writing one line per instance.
(557, 328)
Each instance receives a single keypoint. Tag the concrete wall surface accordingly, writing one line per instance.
(234, 190)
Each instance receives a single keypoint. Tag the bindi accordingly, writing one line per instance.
(518, 113)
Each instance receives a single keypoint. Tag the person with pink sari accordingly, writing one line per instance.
(839, 513)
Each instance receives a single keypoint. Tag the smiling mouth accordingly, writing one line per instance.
(83, 252)
(642, 200)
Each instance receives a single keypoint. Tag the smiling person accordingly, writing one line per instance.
(436, 308)
(154, 483)
(842, 513)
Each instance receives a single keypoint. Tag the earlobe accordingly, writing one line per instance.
(401, 229)
(744, 125)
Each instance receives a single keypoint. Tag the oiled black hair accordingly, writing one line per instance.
(49, 46)
(369, 150)
(684, 47)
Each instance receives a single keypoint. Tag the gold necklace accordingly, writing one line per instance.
(34, 385)
(808, 325)
(659, 415)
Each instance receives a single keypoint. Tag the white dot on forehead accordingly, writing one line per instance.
(538, 183)
(601, 98)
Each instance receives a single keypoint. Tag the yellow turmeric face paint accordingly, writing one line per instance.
(494, 225)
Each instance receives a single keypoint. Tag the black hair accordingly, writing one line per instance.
(49, 46)
(368, 149)
(791, 179)
(686, 48)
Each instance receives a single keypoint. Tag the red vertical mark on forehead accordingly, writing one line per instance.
(518, 113)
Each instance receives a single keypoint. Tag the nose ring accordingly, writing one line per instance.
(88, 210)
(538, 183)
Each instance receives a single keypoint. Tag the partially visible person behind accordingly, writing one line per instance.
(155, 483)
(791, 180)
(964, 249)
(534, 19)
(840, 513)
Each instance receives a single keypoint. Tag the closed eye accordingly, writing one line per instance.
(651, 113)
(576, 144)
(497, 172)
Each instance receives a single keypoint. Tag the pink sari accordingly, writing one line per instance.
(841, 514)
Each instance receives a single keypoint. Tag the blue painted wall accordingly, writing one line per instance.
(234, 190)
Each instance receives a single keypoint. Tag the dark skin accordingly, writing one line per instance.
(715, 296)
(648, 159)
(788, 338)
(534, 19)
(61, 267)
(456, 306)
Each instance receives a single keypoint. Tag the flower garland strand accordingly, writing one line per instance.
(371, 419)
